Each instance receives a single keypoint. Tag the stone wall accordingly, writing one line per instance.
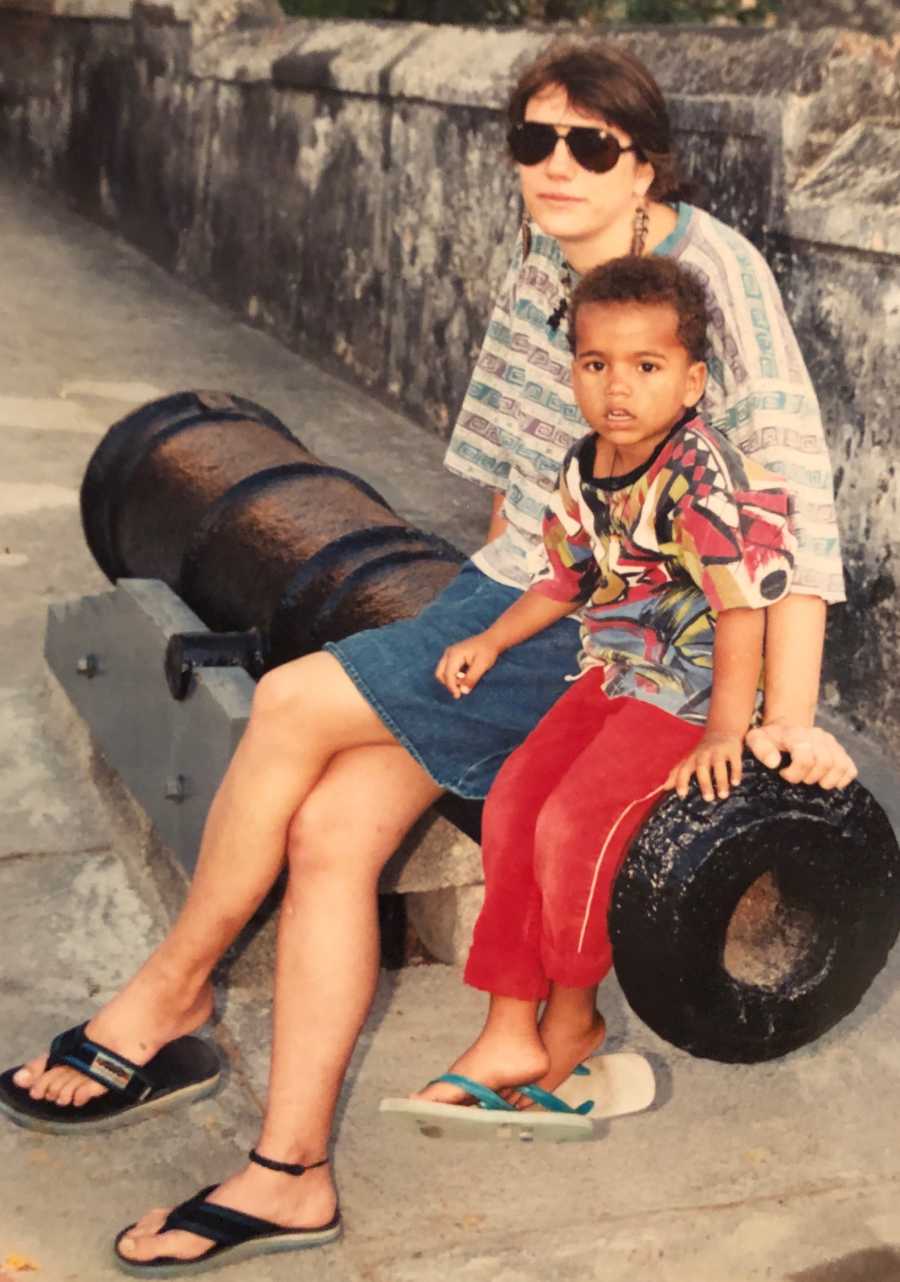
(343, 185)
(878, 17)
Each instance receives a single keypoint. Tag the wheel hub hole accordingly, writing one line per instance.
(768, 937)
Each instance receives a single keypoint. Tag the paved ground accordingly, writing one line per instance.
(786, 1171)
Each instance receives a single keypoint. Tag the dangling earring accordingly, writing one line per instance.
(555, 318)
(641, 226)
(525, 233)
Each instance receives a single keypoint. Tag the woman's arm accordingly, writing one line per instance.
(737, 659)
(763, 399)
(795, 633)
(498, 521)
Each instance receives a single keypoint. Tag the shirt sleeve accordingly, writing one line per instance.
(731, 531)
(760, 395)
(571, 573)
(483, 433)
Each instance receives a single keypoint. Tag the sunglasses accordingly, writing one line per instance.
(593, 149)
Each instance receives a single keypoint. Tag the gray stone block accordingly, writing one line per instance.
(852, 198)
(434, 855)
(444, 920)
(107, 652)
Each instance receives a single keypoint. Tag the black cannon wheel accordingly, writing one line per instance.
(745, 929)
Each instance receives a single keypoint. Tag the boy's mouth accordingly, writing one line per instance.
(619, 416)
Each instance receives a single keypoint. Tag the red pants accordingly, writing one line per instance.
(556, 826)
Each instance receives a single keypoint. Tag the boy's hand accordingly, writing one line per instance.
(463, 664)
(716, 762)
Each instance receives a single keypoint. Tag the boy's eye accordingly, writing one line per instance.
(594, 366)
(647, 367)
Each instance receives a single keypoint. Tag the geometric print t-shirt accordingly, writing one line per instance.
(655, 555)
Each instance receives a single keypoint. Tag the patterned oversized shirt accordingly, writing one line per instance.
(519, 415)
(654, 556)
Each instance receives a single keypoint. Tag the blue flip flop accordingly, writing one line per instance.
(617, 1084)
(493, 1117)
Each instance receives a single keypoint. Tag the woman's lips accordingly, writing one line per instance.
(557, 198)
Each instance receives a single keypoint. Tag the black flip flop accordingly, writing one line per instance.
(184, 1070)
(235, 1236)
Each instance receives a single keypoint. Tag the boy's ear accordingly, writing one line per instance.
(695, 384)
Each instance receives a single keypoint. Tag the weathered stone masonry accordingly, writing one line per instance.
(343, 185)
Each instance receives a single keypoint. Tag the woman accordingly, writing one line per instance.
(367, 721)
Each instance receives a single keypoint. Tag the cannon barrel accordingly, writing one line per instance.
(214, 496)
(741, 930)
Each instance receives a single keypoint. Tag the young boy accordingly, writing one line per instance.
(673, 543)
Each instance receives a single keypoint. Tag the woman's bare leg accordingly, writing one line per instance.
(326, 970)
(303, 713)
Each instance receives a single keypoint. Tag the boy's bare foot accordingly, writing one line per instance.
(567, 1046)
(307, 1202)
(494, 1060)
(138, 1022)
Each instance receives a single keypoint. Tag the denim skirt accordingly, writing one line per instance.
(462, 743)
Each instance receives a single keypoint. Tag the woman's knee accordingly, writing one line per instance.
(282, 691)
(308, 846)
(311, 700)
(328, 837)
(359, 812)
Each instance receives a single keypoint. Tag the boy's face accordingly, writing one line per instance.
(632, 375)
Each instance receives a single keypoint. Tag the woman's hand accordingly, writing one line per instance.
(816, 756)
(463, 664)
(715, 762)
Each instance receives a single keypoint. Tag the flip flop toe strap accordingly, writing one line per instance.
(483, 1094)
(102, 1065)
(552, 1103)
(224, 1226)
(221, 1224)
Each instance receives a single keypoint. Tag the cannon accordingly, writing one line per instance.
(212, 495)
(741, 930)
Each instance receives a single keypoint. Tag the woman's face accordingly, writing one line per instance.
(569, 202)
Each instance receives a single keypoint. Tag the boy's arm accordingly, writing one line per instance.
(795, 631)
(737, 658)
(568, 581)
(463, 664)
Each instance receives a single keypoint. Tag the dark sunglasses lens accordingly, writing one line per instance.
(531, 142)
(593, 150)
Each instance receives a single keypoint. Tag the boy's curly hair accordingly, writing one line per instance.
(647, 280)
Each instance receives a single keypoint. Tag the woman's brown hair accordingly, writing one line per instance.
(604, 81)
